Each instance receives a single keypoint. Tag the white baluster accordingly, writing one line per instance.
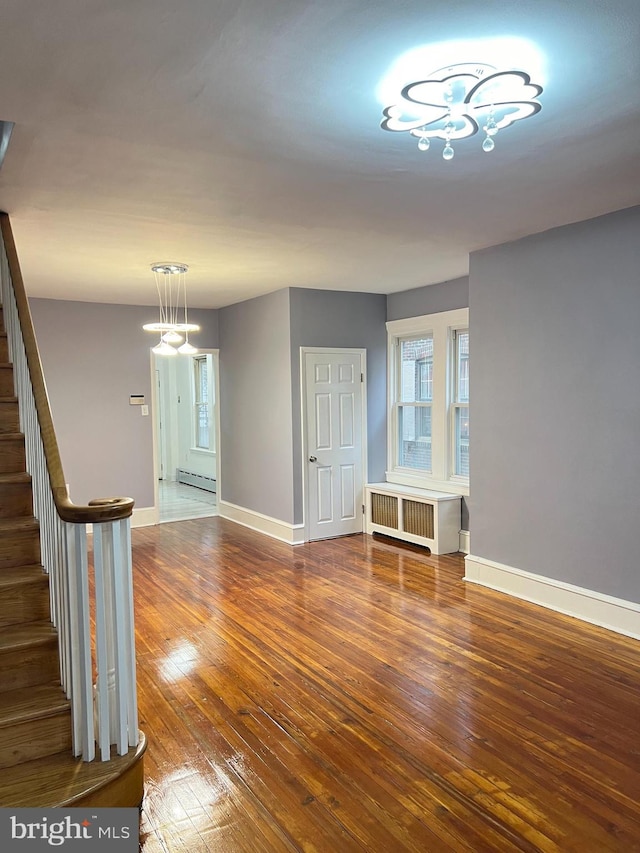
(132, 691)
(82, 689)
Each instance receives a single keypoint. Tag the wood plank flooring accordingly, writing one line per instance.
(357, 695)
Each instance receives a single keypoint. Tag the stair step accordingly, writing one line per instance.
(34, 722)
(12, 457)
(19, 541)
(24, 595)
(61, 780)
(6, 379)
(9, 414)
(4, 347)
(28, 655)
(16, 498)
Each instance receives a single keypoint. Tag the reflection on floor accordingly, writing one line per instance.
(179, 502)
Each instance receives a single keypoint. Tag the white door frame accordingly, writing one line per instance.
(304, 421)
(155, 402)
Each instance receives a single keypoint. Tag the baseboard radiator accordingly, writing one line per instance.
(420, 516)
(200, 481)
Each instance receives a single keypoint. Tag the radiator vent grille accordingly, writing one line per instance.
(384, 510)
(418, 518)
(197, 480)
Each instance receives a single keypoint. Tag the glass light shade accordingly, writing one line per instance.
(163, 348)
(172, 337)
(187, 349)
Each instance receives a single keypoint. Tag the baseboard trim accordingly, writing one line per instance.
(292, 534)
(145, 516)
(616, 614)
(465, 541)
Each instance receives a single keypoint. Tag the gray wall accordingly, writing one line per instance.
(433, 299)
(94, 356)
(555, 465)
(255, 406)
(325, 318)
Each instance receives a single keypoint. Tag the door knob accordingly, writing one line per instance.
(313, 459)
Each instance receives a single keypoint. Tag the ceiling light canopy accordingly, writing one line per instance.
(457, 101)
(171, 286)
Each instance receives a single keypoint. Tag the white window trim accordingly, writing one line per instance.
(195, 448)
(441, 326)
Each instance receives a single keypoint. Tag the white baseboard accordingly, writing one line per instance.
(292, 534)
(145, 516)
(587, 604)
(465, 541)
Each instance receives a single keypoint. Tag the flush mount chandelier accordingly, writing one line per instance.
(457, 101)
(171, 285)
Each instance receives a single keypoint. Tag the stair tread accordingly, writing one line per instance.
(11, 436)
(18, 524)
(16, 477)
(26, 634)
(17, 575)
(8, 399)
(32, 703)
(61, 779)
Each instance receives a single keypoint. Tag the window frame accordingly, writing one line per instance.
(197, 362)
(443, 327)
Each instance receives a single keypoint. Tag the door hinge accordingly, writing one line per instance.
(362, 377)
(363, 509)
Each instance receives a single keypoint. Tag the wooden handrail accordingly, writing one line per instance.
(100, 509)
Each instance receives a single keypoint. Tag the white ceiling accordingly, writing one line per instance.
(242, 137)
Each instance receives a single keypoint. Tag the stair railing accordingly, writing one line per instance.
(104, 713)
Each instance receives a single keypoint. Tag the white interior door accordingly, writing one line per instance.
(334, 442)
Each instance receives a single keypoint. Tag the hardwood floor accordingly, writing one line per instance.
(357, 695)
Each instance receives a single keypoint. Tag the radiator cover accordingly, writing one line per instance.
(197, 480)
(421, 516)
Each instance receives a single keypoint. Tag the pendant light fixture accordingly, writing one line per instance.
(171, 287)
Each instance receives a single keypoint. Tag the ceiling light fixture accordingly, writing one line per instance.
(457, 101)
(171, 285)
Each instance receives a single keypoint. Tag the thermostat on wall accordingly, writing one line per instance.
(136, 400)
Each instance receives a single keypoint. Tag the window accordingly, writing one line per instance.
(460, 406)
(414, 405)
(201, 402)
(428, 442)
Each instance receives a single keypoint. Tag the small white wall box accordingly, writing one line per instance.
(136, 400)
(420, 516)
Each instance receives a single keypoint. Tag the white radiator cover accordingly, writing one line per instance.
(198, 480)
(421, 516)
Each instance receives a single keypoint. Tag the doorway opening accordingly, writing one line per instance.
(186, 445)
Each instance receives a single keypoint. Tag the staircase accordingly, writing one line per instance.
(35, 714)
